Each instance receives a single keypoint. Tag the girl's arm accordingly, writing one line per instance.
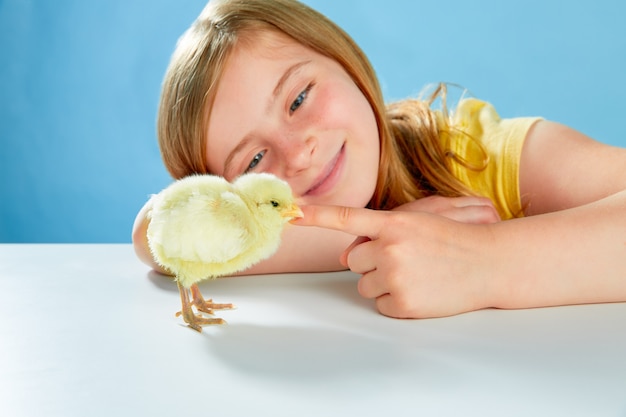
(571, 249)
(318, 249)
(140, 239)
(574, 251)
(302, 250)
(562, 168)
(574, 256)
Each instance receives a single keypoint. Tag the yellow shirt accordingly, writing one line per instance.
(486, 152)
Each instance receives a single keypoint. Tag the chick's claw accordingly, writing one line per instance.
(196, 322)
(206, 306)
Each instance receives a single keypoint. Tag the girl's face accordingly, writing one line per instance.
(285, 109)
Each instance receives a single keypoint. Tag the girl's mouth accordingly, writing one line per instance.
(329, 176)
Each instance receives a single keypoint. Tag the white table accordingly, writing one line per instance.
(87, 330)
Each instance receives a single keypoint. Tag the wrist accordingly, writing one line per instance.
(495, 278)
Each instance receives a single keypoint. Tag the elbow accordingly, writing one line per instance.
(139, 237)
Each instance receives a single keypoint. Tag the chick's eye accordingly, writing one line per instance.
(274, 203)
(300, 99)
(255, 161)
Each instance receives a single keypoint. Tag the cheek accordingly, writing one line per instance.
(354, 114)
(334, 104)
(365, 164)
(341, 108)
(341, 105)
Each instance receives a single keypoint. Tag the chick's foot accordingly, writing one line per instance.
(196, 322)
(193, 320)
(206, 306)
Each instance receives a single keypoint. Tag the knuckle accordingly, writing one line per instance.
(344, 214)
(392, 253)
(397, 305)
(394, 282)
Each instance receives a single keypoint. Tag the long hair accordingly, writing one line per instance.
(418, 163)
(412, 163)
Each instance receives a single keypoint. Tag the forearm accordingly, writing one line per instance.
(574, 256)
(305, 250)
(320, 253)
(140, 239)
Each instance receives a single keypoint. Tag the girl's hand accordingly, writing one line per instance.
(477, 210)
(415, 264)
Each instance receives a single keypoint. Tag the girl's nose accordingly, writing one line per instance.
(298, 155)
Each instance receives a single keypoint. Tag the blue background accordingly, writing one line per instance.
(80, 82)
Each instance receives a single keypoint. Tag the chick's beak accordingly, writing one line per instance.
(292, 211)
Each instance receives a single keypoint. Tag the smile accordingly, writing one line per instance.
(329, 176)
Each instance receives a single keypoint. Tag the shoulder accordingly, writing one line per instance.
(485, 152)
(482, 119)
(563, 168)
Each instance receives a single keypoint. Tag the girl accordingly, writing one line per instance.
(274, 86)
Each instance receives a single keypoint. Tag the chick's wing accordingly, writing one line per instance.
(205, 228)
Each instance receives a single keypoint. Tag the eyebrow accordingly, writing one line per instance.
(275, 93)
(283, 80)
(235, 151)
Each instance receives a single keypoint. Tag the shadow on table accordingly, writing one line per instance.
(314, 353)
(162, 282)
(340, 286)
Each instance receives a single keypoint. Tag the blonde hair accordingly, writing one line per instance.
(412, 162)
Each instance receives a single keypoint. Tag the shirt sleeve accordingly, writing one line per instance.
(485, 153)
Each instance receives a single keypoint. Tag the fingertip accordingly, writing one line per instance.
(384, 305)
(343, 259)
(353, 220)
(307, 218)
(360, 287)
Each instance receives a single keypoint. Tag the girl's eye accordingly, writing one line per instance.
(255, 161)
(300, 99)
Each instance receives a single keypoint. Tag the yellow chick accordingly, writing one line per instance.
(204, 227)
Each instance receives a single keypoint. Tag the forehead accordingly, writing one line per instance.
(252, 69)
(266, 43)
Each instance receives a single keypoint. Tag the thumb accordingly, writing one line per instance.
(352, 220)
(343, 259)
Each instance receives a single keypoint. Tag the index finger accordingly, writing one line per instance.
(353, 220)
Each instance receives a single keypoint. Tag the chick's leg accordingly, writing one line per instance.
(194, 321)
(206, 306)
